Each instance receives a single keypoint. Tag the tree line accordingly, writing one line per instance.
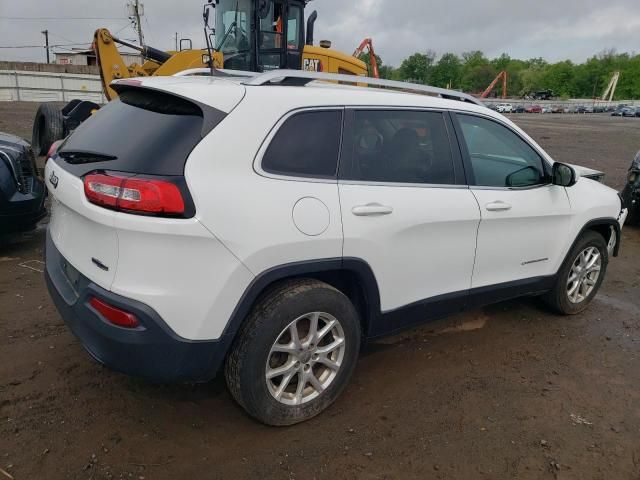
(473, 72)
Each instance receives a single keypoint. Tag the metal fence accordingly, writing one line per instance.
(17, 85)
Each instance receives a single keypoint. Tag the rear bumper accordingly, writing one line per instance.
(151, 351)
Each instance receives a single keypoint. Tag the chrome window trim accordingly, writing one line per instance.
(530, 187)
(401, 185)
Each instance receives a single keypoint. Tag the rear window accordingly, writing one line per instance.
(306, 145)
(143, 131)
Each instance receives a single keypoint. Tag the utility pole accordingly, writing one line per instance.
(136, 10)
(46, 43)
(176, 38)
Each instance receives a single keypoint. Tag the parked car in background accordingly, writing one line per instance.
(505, 108)
(557, 109)
(618, 112)
(517, 109)
(533, 109)
(22, 189)
(629, 111)
(547, 109)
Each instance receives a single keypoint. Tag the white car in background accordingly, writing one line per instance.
(547, 109)
(267, 225)
(504, 108)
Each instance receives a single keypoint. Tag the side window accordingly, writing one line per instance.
(271, 27)
(499, 157)
(293, 28)
(400, 146)
(306, 145)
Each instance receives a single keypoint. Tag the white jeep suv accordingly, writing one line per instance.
(269, 224)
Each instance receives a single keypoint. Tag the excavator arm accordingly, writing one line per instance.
(112, 67)
(111, 64)
(367, 43)
(501, 76)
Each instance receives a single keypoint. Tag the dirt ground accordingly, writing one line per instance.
(507, 391)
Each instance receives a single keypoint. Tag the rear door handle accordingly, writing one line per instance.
(371, 210)
(498, 206)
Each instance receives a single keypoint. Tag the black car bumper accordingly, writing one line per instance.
(21, 211)
(152, 350)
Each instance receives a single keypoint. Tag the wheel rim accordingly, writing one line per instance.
(305, 358)
(584, 274)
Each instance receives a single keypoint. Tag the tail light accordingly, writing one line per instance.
(116, 316)
(53, 149)
(134, 194)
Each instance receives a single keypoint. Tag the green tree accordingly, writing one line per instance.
(447, 71)
(502, 62)
(418, 67)
(473, 72)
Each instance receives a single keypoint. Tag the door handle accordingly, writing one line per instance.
(371, 210)
(498, 206)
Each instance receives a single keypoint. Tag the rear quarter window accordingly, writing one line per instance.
(307, 144)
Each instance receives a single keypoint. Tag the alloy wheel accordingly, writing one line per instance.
(305, 358)
(584, 274)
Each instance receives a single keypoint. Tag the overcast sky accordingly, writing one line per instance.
(553, 29)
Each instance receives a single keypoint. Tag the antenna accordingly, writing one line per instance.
(136, 10)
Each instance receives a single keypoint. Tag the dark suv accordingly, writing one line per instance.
(22, 189)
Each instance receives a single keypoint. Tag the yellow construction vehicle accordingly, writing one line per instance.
(249, 35)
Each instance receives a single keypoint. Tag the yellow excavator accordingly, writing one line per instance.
(249, 35)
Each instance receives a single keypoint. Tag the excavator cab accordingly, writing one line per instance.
(260, 35)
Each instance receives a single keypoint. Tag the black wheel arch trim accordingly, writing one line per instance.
(263, 281)
(597, 222)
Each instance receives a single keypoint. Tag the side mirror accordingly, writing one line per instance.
(563, 175)
(206, 14)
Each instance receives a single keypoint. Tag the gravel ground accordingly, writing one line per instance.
(506, 391)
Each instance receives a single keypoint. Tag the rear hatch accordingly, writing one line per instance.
(135, 146)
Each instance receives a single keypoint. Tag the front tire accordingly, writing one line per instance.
(580, 276)
(295, 354)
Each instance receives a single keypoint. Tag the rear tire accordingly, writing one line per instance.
(48, 127)
(580, 276)
(267, 344)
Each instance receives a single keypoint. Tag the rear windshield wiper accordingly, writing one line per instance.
(80, 157)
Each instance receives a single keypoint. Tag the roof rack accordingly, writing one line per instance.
(301, 78)
(218, 72)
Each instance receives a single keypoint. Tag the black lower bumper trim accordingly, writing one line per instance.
(152, 351)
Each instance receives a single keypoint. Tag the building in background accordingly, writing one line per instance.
(78, 56)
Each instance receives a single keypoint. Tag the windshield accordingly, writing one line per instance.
(233, 25)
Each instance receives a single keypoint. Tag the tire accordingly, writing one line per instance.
(560, 298)
(252, 357)
(48, 127)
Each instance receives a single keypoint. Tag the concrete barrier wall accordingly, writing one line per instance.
(49, 67)
(36, 86)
